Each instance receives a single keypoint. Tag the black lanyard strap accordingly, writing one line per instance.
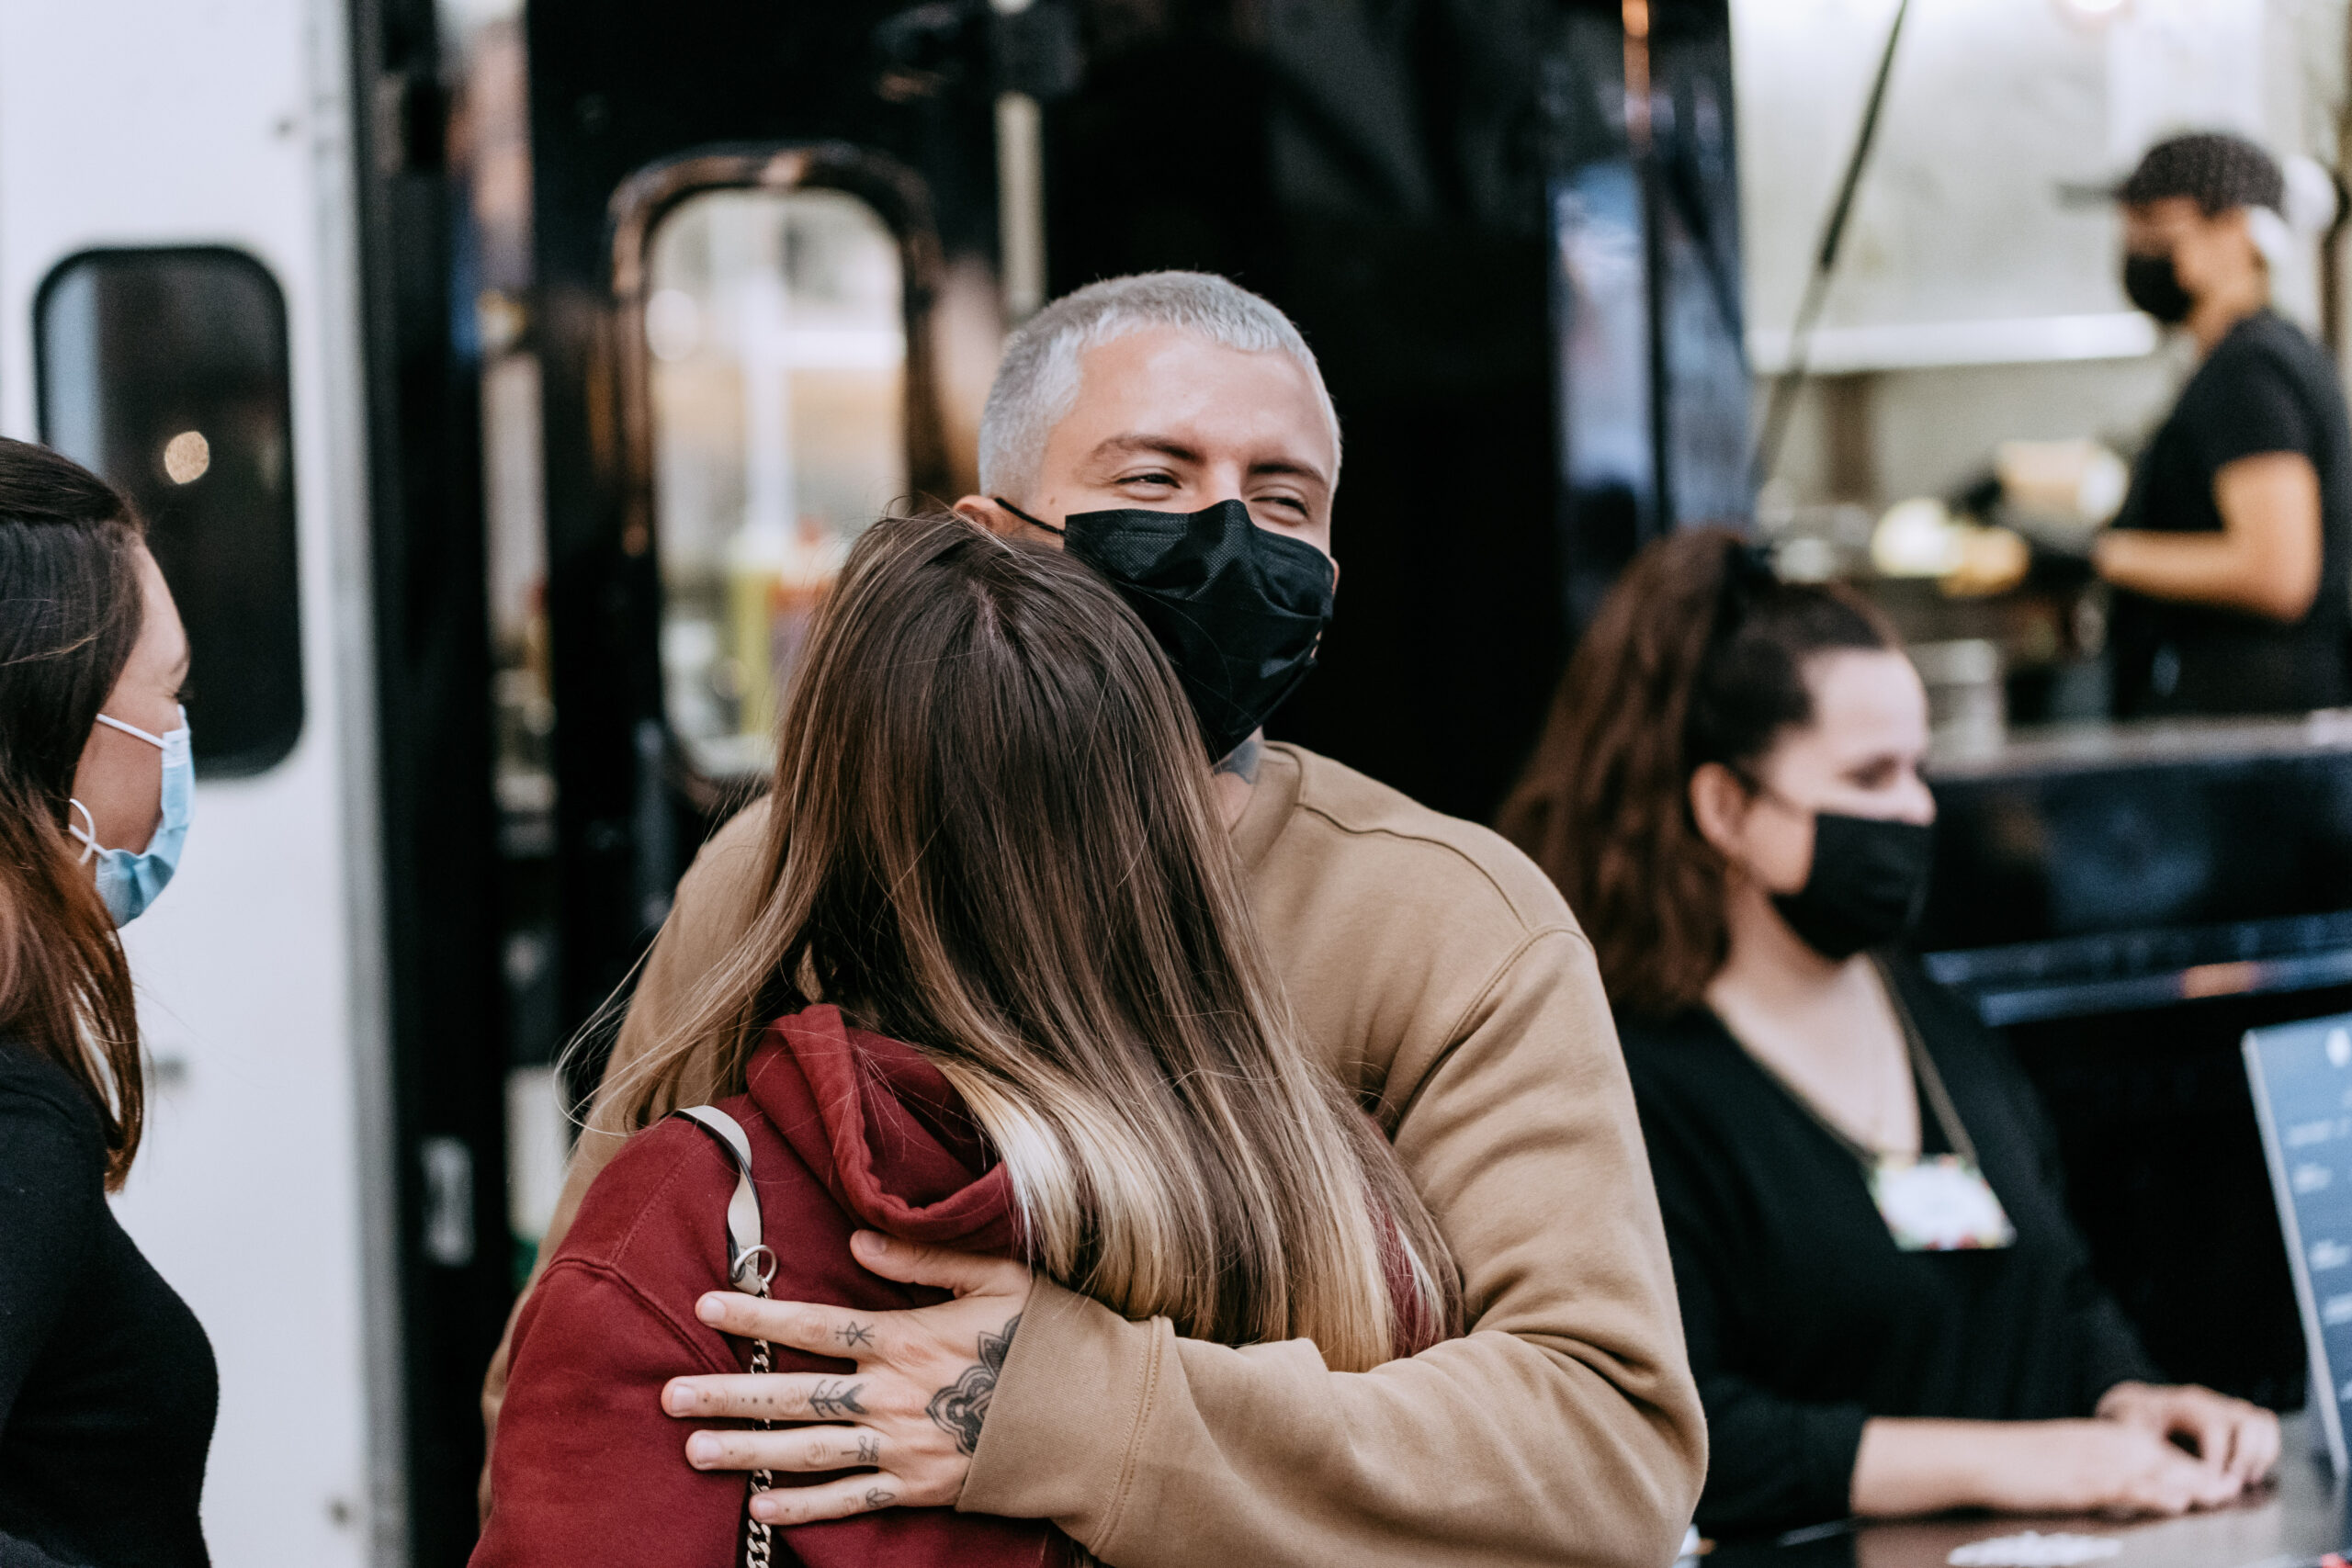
(1923, 1072)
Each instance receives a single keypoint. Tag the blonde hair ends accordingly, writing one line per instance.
(993, 839)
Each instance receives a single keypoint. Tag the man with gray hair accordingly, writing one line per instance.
(1173, 430)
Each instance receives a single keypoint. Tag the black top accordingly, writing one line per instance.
(1803, 1317)
(107, 1381)
(2264, 388)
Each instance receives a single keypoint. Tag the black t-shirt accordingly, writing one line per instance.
(107, 1381)
(2264, 388)
(1803, 1317)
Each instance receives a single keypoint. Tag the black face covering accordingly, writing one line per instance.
(1868, 883)
(2150, 283)
(1237, 609)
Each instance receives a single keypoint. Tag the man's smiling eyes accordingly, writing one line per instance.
(1159, 483)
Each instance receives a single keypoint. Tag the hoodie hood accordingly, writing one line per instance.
(885, 1131)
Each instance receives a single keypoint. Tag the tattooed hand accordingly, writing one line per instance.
(961, 1409)
(904, 1425)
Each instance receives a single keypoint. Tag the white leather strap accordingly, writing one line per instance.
(750, 1264)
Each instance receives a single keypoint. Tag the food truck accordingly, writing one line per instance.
(503, 382)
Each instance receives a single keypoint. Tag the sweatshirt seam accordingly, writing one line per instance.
(1122, 1491)
(1407, 836)
(1458, 1030)
(660, 1313)
(637, 1221)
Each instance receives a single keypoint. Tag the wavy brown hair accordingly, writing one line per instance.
(993, 839)
(1697, 656)
(71, 609)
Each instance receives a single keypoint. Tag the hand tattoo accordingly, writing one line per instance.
(879, 1497)
(959, 1410)
(869, 1447)
(836, 1398)
(855, 1334)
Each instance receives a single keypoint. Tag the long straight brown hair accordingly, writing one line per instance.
(71, 609)
(993, 839)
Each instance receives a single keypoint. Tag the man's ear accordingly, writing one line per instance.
(1719, 804)
(990, 516)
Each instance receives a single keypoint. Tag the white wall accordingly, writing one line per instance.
(226, 122)
(1960, 251)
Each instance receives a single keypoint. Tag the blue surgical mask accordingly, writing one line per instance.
(129, 882)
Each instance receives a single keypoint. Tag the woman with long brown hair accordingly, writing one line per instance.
(107, 1381)
(1887, 1309)
(1001, 995)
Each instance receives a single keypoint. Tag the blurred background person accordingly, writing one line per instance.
(106, 1380)
(1887, 1308)
(2232, 559)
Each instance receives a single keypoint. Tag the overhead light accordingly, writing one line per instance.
(2093, 11)
(185, 457)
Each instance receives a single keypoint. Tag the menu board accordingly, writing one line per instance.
(2301, 1077)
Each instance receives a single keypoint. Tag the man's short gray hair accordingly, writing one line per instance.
(1037, 384)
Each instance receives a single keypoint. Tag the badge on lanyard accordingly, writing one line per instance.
(1938, 1203)
(1930, 1202)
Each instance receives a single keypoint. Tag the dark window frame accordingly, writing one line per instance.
(283, 737)
(896, 195)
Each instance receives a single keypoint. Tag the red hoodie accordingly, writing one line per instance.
(848, 1130)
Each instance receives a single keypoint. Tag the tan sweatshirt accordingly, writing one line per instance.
(1436, 969)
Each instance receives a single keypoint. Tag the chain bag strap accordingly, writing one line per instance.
(750, 1266)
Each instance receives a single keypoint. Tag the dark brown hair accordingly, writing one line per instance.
(993, 838)
(70, 612)
(1697, 656)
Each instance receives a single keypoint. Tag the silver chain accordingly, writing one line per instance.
(757, 1530)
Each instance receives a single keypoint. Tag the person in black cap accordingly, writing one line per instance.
(2231, 558)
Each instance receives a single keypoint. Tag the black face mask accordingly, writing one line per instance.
(1237, 609)
(1868, 883)
(2150, 283)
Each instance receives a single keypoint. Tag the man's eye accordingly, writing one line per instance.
(1151, 478)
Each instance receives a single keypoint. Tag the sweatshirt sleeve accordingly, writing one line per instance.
(1562, 1430)
(587, 1468)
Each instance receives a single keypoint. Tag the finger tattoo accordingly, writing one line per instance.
(879, 1497)
(855, 1334)
(836, 1397)
(961, 1408)
(869, 1447)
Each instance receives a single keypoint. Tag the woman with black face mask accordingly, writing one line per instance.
(2231, 558)
(1887, 1310)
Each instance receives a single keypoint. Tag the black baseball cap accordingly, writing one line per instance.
(2213, 168)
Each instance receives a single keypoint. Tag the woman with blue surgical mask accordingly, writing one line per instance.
(99, 1358)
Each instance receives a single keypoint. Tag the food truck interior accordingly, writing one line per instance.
(665, 301)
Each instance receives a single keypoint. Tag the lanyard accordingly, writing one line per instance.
(1923, 1072)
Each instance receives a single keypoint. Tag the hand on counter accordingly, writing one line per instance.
(2108, 1465)
(2239, 1438)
